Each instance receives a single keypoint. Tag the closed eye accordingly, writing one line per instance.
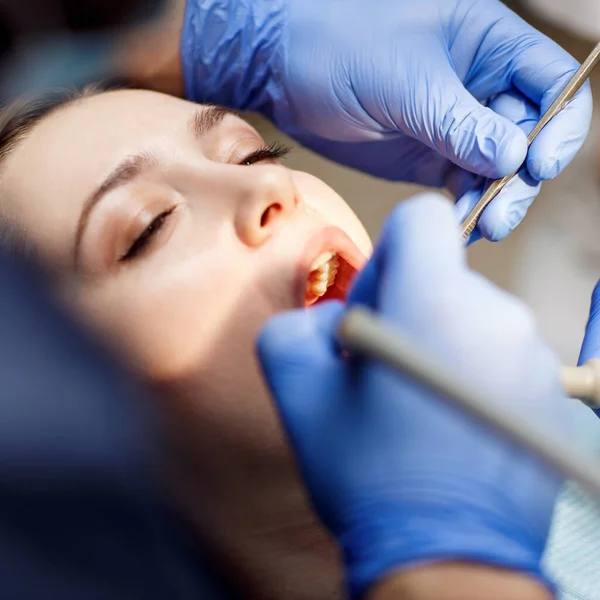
(146, 236)
(272, 152)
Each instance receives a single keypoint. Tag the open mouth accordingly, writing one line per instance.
(336, 261)
(329, 279)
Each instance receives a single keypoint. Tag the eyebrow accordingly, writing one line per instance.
(125, 172)
(203, 121)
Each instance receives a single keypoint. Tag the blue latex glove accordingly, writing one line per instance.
(591, 342)
(396, 88)
(398, 476)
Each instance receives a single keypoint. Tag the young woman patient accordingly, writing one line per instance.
(176, 231)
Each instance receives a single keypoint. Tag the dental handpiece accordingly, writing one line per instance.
(363, 333)
(563, 99)
(583, 383)
(580, 383)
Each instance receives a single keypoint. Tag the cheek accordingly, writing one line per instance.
(190, 330)
(195, 315)
(206, 363)
(320, 198)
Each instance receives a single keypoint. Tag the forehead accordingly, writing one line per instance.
(49, 175)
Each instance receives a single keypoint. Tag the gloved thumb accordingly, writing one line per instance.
(298, 350)
(471, 135)
(591, 341)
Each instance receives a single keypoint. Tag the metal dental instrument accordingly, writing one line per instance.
(572, 87)
(363, 333)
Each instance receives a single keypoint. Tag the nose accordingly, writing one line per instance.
(267, 205)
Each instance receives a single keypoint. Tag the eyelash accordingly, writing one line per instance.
(272, 152)
(144, 239)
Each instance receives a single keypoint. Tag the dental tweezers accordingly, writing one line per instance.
(562, 100)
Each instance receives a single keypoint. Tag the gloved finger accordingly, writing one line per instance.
(458, 181)
(291, 340)
(591, 341)
(420, 245)
(472, 136)
(474, 237)
(394, 158)
(505, 211)
(463, 206)
(561, 139)
(516, 107)
(297, 347)
(511, 105)
(540, 68)
(365, 287)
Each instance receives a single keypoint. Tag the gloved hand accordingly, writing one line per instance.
(398, 476)
(591, 342)
(396, 88)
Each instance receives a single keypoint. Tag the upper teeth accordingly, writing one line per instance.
(321, 260)
(322, 275)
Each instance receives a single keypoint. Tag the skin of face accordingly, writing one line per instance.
(185, 310)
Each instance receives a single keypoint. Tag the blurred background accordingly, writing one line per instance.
(552, 261)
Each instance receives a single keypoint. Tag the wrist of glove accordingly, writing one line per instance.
(402, 535)
(227, 52)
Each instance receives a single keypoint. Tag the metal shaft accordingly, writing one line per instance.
(363, 333)
(572, 87)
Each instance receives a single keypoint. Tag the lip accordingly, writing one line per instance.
(329, 239)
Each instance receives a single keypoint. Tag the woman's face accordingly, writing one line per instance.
(179, 236)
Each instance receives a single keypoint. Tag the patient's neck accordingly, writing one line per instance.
(252, 515)
(264, 537)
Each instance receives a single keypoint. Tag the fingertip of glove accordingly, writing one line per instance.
(556, 146)
(474, 237)
(327, 315)
(413, 221)
(273, 338)
(420, 204)
(298, 330)
(507, 211)
(493, 146)
(511, 150)
(596, 296)
(544, 169)
(500, 223)
(595, 305)
(591, 341)
(496, 233)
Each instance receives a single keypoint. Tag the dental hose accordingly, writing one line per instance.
(363, 333)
